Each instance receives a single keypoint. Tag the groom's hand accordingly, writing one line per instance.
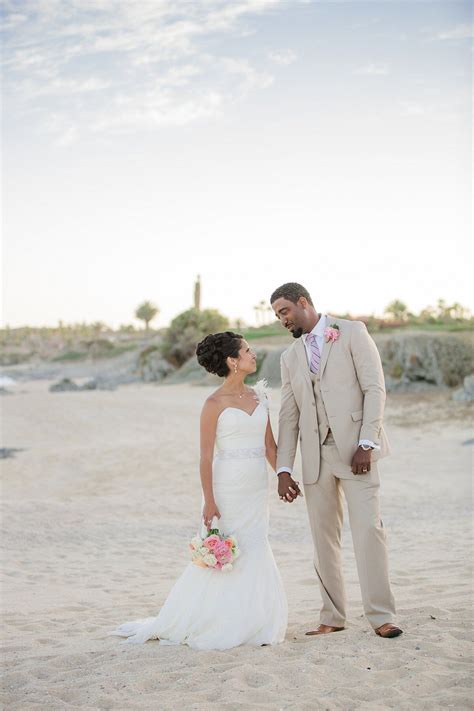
(288, 488)
(361, 461)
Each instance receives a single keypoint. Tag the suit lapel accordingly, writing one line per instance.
(303, 361)
(324, 356)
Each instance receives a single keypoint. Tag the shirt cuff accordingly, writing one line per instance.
(284, 469)
(368, 443)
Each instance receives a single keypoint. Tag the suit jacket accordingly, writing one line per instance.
(353, 392)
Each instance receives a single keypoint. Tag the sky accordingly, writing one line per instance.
(253, 142)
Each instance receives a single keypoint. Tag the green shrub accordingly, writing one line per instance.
(186, 330)
(14, 358)
(70, 355)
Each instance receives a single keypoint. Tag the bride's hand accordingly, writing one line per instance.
(288, 489)
(210, 511)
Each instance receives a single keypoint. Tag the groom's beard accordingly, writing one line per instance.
(297, 333)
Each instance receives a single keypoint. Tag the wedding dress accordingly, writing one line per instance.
(211, 609)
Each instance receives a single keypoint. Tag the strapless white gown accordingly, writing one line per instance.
(208, 609)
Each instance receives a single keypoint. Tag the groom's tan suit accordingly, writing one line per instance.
(330, 412)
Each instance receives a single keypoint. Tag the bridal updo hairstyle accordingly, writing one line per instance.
(213, 351)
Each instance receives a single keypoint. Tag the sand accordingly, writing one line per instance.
(97, 511)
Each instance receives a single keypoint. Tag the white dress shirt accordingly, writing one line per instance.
(318, 331)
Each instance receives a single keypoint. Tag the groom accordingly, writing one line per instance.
(332, 400)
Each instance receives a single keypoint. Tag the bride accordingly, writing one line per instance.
(207, 608)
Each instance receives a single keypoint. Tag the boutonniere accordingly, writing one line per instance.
(331, 333)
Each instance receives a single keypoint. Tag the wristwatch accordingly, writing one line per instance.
(366, 447)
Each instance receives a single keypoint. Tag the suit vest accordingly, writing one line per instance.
(323, 421)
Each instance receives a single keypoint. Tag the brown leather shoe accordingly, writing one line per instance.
(388, 630)
(324, 629)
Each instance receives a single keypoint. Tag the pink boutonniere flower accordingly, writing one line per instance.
(331, 333)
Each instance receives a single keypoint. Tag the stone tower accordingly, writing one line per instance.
(197, 294)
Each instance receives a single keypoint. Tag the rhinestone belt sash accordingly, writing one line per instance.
(251, 453)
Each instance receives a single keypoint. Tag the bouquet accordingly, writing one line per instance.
(214, 551)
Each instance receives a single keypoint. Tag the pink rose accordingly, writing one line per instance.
(222, 553)
(331, 334)
(211, 542)
(221, 550)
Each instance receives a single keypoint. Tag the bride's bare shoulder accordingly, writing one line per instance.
(212, 404)
(216, 396)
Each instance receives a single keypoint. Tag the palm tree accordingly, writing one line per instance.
(258, 313)
(147, 312)
(398, 310)
(262, 311)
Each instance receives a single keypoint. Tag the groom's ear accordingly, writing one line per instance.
(303, 301)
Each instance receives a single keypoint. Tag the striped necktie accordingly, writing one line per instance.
(315, 353)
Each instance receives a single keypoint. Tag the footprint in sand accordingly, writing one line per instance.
(256, 679)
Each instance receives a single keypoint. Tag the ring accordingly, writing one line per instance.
(364, 470)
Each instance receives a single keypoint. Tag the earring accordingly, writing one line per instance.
(235, 368)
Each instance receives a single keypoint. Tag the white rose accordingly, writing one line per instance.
(196, 542)
(227, 567)
(210, 559)
(203, 550)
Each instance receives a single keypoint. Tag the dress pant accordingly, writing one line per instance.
(324, 503)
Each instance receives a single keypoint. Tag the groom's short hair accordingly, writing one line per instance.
(291, 291)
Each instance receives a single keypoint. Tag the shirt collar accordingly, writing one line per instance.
(318, 330)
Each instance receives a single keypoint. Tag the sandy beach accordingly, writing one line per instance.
(98, 507)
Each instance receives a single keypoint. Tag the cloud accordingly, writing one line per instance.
(156, 110)
(69, 136)
(413, 109)
(152, 60)
(250, 77)
(283, 58)
(464, 31)
(63, 87)
(372, 70)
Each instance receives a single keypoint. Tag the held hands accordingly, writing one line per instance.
(361, 461)
(288, 489)
(209, 511)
